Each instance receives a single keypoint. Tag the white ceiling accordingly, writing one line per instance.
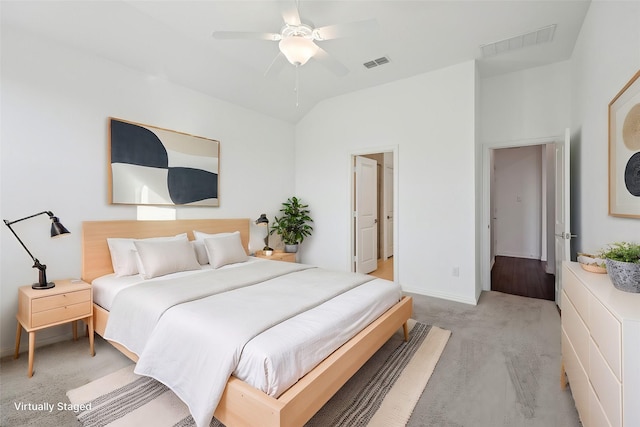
(172, 40)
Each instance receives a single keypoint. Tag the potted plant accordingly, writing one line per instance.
(293, 226)
(623, 265)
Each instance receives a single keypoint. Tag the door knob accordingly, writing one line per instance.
(566, 236)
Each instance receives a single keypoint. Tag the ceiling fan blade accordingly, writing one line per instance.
(291, 14)
(245, 35)
(346, 30)
(276, 65)
(330, 62)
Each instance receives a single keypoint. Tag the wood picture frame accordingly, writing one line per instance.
(149, 165)
(624, 151)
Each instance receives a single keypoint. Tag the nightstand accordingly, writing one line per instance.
(278, 256)
(69, 301)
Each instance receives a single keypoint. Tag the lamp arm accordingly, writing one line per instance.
(27, 217)
(8, 224)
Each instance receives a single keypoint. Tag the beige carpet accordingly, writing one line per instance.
(383, 393)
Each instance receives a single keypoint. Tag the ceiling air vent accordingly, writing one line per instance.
(539, 36)
(374, 63)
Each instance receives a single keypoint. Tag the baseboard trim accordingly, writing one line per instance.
(441, 295)
(24, 344)
(518, 255)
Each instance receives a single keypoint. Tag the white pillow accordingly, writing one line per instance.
(223, 250)
(199, 235)
(201, 251)
(158, 258)
(123, 253)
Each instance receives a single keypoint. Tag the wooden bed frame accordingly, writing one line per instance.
(242, 404)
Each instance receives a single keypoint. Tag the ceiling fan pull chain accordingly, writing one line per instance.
(297, 88)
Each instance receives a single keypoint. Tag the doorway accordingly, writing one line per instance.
(543, 251)
(520, 222)
(374, 180)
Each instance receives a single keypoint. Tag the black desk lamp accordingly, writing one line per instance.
(264, 221)
(56, 230)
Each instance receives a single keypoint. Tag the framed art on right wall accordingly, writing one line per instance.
(624, 151)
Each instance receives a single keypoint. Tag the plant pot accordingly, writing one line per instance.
(624, 275)
(291, 249)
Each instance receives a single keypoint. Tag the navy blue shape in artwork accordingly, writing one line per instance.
(632, 175)
(188, 185)
(136, 145)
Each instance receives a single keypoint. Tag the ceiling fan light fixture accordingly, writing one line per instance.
(297, 49)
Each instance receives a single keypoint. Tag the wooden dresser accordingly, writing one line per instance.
(600, 348)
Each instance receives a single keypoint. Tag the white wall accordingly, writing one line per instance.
(541, 102)
(55, 105)
(518, 201)
(529, 104)
(606, 56)
(430, 119)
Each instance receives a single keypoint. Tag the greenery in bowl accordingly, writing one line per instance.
(293, 226)
(622, 251)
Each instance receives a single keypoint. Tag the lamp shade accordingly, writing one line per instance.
(263, 220)
(297, 49)
(57, 228)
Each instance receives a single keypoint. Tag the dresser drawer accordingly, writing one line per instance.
(60, 300)
(578, 380)
(575, 328)
(60, 314)
(597, 417)
(606, 332)
(606, 386)
(577, 293)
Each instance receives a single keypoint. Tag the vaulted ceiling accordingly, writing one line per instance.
(173, 40)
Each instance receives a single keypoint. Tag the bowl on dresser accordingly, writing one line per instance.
(624, 275)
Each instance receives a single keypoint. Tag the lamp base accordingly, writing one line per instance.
(45, 286)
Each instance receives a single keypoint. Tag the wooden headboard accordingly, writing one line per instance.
(96, 259)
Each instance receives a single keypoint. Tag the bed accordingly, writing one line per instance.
(242, 404)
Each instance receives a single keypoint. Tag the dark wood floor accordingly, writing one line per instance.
(522, 276)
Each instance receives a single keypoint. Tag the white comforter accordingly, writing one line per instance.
(143, 305)
(192, 342)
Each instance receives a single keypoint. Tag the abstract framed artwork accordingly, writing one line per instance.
(624, 151)
(154, 166)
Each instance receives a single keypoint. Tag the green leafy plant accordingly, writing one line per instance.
(622, 251)
(293, 226)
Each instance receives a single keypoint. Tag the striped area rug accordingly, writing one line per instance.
(382, 393)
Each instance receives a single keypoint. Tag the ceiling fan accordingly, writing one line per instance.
(297, 40)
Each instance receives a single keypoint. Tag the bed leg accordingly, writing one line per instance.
(405, 328)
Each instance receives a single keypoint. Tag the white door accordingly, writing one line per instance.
(562, 214)
(365, 215)
(388, 211)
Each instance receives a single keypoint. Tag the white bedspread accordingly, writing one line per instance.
(277, 358)
(144, 304)
(196, 345)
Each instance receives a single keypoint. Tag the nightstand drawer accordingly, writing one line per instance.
(277, 256)
(283, 256)
(59, 301)
(60, 314)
